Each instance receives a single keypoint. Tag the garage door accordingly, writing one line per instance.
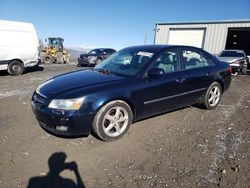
(190, 37)
(239, 38)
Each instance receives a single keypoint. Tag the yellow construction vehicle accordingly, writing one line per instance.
(54, 52)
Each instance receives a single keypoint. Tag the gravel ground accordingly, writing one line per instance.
(190, 147)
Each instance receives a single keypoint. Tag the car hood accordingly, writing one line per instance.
(69, 82)
(229, 59)
(88, 55)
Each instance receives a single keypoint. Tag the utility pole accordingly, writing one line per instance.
(145, 38)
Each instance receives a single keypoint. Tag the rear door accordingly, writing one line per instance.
(199, 73)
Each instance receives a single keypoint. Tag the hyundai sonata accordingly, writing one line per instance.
(132, 84)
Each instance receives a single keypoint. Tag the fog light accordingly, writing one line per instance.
(61, 128)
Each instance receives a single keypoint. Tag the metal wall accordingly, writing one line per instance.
(215, 35)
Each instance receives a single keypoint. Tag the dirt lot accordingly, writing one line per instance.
(190, 147)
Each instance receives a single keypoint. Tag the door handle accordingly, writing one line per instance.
(180, 80)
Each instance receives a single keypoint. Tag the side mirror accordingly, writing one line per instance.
(156, 73)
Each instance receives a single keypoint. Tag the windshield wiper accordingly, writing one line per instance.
(103, 71)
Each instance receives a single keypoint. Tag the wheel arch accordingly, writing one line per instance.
(124, 99)
(221, 84)
(16, 59)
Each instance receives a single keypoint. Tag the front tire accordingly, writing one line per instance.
(15, 68)
(244, 70)
(212, 96)
(113, 120)
(49, 60)
(98, 61)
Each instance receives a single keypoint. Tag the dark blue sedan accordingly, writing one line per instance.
(132, 84)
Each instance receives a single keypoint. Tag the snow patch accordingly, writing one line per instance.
(13, 93)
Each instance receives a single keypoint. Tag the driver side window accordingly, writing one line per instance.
(168, 61)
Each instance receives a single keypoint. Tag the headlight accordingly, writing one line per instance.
(66, 104)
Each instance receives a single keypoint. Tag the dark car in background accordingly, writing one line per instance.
(133, 84)
(237, 59)
(95, 56)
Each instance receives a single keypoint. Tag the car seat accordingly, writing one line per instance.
(192, 63)
(167, 63)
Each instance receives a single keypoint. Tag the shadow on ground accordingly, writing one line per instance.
(27, 70)
(33, 69)
(53, 179)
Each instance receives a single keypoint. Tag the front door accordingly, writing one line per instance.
(165, 93)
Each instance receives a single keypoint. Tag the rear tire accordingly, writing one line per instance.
(212, 96)
(15, 68)
(113, 120)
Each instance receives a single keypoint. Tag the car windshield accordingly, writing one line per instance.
(127, 62)
(95, 51)
(231, 54)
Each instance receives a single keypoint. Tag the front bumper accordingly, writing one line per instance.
(85, 62)
(62, 122)
(235, 67)
(32, 63)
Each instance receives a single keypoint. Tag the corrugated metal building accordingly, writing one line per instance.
(213, 36)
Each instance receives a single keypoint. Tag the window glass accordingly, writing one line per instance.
(194, 59)
(108, 51)
(168, 61)
(127, 62)
(95, 51)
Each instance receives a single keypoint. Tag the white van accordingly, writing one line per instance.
(18, 46)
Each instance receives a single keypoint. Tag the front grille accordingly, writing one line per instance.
(38, 99)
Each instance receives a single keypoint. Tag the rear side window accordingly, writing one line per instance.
(195, 59)
(108, 51)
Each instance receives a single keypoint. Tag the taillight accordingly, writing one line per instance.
(230, 70)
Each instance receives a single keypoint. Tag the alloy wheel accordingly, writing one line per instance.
(214, 96)
(115, 121)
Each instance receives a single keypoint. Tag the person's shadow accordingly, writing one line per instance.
(53, 179)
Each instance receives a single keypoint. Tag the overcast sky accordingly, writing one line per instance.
(115, 23)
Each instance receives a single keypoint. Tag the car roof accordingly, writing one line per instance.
(103, 49)
(231, 50)
(158, 47)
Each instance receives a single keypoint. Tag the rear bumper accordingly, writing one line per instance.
(226, 83)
